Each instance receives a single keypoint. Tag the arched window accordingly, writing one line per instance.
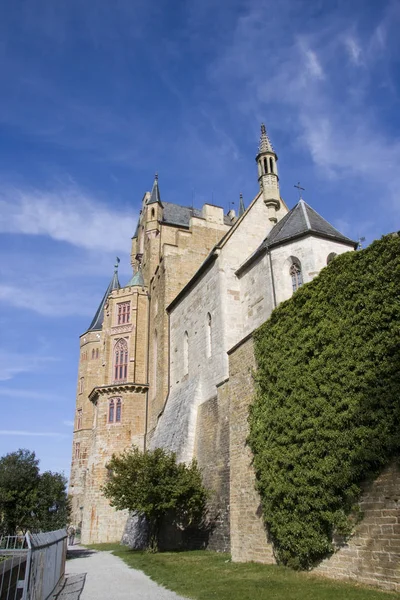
(81, 385)
(118, 410)
(208, 335)
(121, 360)
(185, 353)
(296, 275)
(330, 257)
(271, 165)
(97, 353)
(111, 410)
(79, 418)
(265, 166)
(152, 213)
(155, 360)
(92, 352)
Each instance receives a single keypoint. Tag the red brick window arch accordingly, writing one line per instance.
(121, 360)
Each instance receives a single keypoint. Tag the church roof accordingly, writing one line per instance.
(303, 219)
(98, 318)
(155, 193)
(174, 214)
(137, 279)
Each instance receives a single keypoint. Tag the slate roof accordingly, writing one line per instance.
(173, 214)
(303, 219)
(98, 319)
(155, 193)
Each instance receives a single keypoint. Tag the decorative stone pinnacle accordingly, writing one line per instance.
(265, 144)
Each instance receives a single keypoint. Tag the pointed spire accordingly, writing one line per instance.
(155, 192)
(242, 207)
(137, 279)
(98, 318)
(265, 143)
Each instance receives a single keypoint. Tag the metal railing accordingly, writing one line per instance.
(31, 565)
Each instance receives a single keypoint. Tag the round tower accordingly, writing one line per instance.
(268, 175)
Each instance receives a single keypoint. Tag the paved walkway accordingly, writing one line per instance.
(94, 575)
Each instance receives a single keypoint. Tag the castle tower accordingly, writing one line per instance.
(268, 175)
(91, 359)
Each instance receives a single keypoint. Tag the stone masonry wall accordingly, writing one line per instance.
(212, 453)
(371, 556)
(248, 536)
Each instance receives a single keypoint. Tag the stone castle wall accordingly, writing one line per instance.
(212, 453)
(371, 555)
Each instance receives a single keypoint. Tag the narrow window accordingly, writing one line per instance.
(265, 166)
(92, 353)
(97, 353)
(152, 213)
(111, 407)
(296, 275)
(208, 334)
(123, 312)
(81, 384)
(121, 360)
(155, 360)
(271, 165)
(330, 257)
(185, 353)
(79, 419)
(118, 411)
(77, 450)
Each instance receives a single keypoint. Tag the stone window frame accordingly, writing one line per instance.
(81, 385)
(331, 256)
(209, 335)
(79, 418)
(296, 274)
(114, 411)
(123, 316)
(121, 359)
(77, 451)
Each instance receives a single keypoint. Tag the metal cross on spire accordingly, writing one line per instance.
(298, 186)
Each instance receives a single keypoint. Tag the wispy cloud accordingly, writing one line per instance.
(13, 363)
(23, 433)
(66, 215)
(68, 423)
(23, 394)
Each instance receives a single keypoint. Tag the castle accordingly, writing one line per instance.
(167, 360)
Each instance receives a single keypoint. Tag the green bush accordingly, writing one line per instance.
(327, 410)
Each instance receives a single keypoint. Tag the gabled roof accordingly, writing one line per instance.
(300, 221)
(303, 219)
(98, 319)
(155, 193)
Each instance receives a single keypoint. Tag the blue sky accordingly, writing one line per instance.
(96, 96)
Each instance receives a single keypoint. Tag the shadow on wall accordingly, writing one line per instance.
(171, 537)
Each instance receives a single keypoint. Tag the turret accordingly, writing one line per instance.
(268, 175)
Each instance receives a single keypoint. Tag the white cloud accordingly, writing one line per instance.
(353, 49)
(67, 215)
(47, 298)
(68, 423)
(23, 433)
(313, 63)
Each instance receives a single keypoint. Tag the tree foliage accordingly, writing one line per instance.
(29, 499)
(327, 411)
(153, 484)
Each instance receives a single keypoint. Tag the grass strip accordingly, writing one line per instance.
(205, 575)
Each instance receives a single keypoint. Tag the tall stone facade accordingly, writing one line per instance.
(168, 360)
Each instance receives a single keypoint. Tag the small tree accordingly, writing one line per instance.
(28, 499)
(152, 484)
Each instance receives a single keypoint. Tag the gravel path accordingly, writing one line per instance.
(94, 575)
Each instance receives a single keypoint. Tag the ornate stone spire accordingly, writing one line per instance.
(242, 207)
(268, 175)
(265, 143)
